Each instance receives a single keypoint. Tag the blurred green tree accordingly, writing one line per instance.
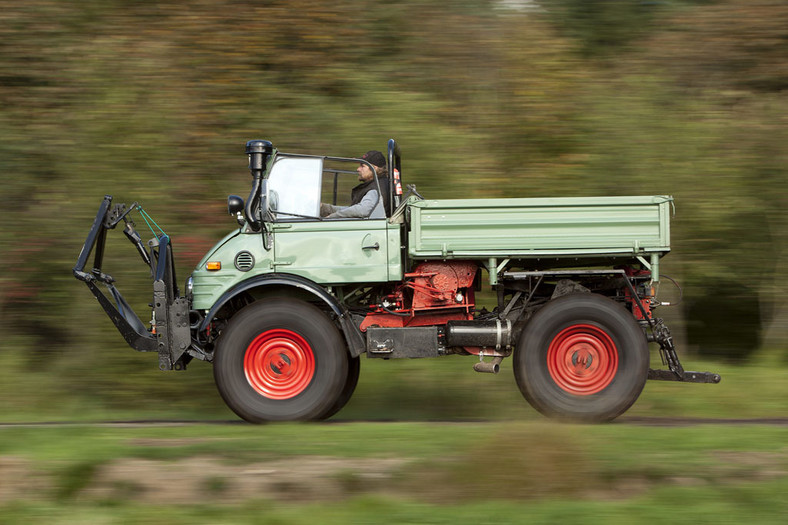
(153, 101)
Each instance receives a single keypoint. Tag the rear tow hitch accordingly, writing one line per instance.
(688, 377)
(667, 351)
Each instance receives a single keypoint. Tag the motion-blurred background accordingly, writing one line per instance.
(152, 101)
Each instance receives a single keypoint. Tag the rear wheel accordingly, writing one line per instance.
(583, 357)
(281, 360)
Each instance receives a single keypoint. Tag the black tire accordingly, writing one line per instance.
(280, 360)
(354, 369)
(582, 357)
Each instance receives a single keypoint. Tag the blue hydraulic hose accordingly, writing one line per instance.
(148, 219)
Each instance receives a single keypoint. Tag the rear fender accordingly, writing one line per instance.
(271, 282)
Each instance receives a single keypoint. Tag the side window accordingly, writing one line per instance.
(294, 187)
(338, 182)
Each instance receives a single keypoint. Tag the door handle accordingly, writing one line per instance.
(375, 246)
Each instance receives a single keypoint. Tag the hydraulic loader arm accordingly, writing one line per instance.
(170, 335)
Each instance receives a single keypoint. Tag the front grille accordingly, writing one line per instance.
(244, 261)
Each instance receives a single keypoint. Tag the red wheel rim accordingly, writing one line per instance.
(279, 364)
(582, 359)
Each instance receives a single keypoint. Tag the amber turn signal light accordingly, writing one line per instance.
(212, 266)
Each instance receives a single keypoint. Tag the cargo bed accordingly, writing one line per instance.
(578, 227)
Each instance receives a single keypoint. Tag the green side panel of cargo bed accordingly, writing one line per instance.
(554, 227)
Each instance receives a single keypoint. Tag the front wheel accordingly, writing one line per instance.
(582, 357)
(353, 372)
(281, 360)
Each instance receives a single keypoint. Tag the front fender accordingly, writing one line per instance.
(353, 337)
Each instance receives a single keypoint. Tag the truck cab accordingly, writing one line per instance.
(286, 234)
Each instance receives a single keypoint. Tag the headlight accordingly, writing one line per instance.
(189, 288)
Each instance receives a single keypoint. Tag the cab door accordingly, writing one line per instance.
(333, 251)
(327, 251)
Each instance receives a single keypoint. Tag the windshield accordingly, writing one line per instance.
(294, 187)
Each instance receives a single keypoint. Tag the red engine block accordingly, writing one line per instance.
(432, 294)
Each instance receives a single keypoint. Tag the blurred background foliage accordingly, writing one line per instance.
(152, 101)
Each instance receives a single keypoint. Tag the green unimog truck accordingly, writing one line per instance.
(286, 304)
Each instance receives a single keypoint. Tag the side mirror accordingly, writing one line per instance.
(264, 199)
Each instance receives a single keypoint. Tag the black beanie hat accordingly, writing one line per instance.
(375, 158)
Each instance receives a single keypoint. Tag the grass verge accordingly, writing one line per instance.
(498, 472)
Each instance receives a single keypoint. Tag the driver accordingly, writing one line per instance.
(364, 198)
